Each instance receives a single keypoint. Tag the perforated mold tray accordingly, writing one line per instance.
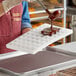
(33, 41)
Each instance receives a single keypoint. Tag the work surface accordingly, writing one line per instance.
(30, 62)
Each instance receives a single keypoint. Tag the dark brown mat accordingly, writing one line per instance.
(31, 62)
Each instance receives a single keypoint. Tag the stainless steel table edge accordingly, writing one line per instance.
(11, 73)
(52, 69)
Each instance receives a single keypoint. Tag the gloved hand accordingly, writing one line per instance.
(26, 30)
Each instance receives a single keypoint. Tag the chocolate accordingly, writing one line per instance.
(67, 72)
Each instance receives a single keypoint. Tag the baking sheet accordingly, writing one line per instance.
(68, 48)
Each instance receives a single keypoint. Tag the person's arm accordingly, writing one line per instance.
(26, 25)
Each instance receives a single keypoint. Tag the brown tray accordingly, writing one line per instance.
(30, 62)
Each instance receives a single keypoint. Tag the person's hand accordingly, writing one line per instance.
(29, 0)
(25, 30)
